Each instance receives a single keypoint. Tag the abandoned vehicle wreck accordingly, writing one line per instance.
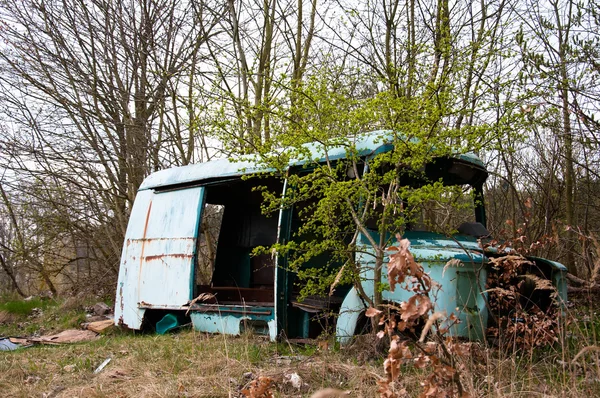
(193, 231)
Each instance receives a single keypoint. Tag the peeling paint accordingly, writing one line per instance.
(162, 229)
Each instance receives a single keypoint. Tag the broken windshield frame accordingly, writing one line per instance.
(451, 172)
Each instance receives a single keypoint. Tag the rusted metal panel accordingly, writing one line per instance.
(157, 263)
(168, 247)
(127, 312)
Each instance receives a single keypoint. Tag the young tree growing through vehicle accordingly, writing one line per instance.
(436, 118)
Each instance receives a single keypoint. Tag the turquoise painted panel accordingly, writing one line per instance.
(366, 144)
(230, 319)
(460, 289)
(168, 247)
(350, 312)
(158, 253)
(127, 311)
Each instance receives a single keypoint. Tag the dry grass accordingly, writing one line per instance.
(187, 364)
(192, 364)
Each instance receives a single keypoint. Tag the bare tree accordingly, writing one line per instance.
(96, 96)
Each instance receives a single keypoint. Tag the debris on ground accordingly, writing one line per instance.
(65, 337)
(101, 309)
(259, 388)
(99, 326)
(18, 340)
(294, 379)
(69, 368)
(117, 374)
(36, 313)
(54, 393)
(7, 345)
(288, 359)
(5, 317)
(102, 366)
(330, 393)
(32, 379)
(95, 318)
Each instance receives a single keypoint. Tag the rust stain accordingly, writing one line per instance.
(161, 256)
(160, 239)
(122, 303)
(147, 219)
(143, 246)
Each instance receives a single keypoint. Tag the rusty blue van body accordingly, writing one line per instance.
(193, 229)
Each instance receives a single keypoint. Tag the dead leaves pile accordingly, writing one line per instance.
(520, 321)
(261, 387)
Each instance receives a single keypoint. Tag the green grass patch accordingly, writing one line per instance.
(22, 307)
(55, 315)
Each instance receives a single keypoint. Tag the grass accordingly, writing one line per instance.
(21, 307)
(193, 364)
(53, 315)
(183, 364)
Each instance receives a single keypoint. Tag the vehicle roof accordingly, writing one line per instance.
(366, 144)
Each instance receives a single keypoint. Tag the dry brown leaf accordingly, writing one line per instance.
(371, 312)
(259, 388)
(452, 263)
(421, 361)
(432, 319)
(416, 306)
(201, 297)
(336, 280)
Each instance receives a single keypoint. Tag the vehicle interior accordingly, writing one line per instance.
(232, 226)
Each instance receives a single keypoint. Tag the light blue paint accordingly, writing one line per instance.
(365, 145)
(127, 311)
(350, 312)
(220, 321)
(279, 298)
(460, 290)
(158, 253)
